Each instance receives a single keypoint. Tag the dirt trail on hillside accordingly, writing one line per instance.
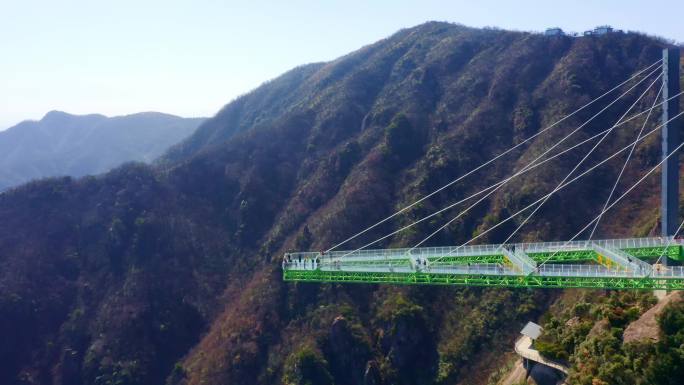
(646, 327)
(515, 376)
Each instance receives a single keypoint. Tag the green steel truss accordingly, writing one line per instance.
(396, 267)
(532, 281)
(673, 252)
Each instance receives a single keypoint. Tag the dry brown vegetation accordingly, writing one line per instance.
(169, 274)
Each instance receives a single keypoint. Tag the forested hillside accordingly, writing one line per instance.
(170, 274)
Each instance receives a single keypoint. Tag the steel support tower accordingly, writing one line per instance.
(670, 140)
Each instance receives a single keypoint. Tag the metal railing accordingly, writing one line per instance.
(481, 250)
(548, 270)
(524, 263)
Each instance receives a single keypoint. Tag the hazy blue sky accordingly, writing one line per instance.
(191, 57)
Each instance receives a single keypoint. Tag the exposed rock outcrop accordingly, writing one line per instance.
(646, 327)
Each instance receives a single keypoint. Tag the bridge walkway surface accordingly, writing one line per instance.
(610, 263)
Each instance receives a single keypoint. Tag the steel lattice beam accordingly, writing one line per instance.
(532, 281)
(534, 265)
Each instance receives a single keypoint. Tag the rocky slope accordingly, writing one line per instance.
(170, 273)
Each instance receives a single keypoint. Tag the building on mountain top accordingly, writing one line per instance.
(555, 31)
(603, 29)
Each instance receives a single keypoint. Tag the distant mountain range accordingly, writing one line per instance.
(77, 145)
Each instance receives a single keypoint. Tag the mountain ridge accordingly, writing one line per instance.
(65, 144)
(170, 273)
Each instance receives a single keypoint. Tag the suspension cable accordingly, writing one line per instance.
(620, 197)
(495, 158)
(563, 186)
(479, 192)
(459, 215)
(624, 165)
(525, 169)
(577, 166)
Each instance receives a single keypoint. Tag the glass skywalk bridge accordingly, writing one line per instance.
(608, 264)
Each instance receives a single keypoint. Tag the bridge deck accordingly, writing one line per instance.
(546, 265)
